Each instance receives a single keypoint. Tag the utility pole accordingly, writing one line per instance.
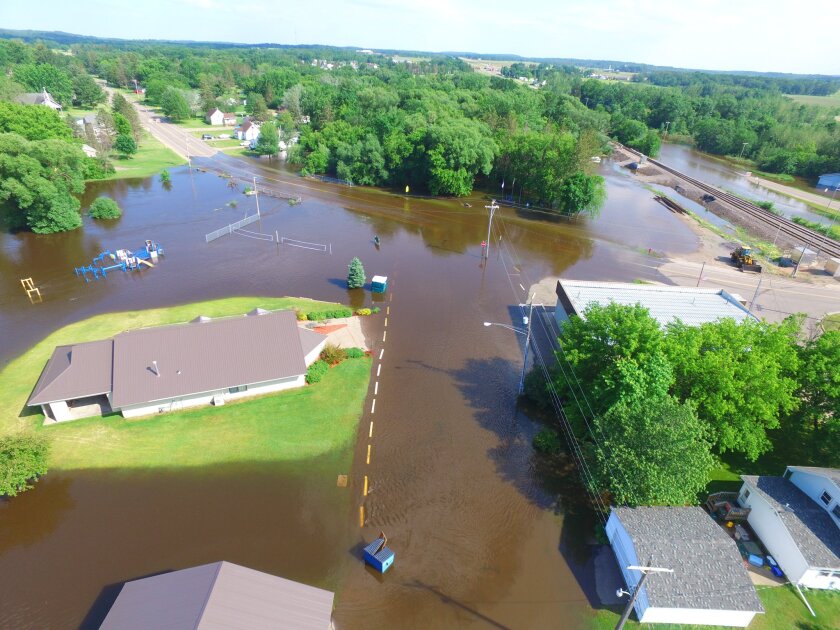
(256, 195)
(755, 295)
(492, 208)
(527, 342)
(700, 277)
(645, 572)
(187, 149)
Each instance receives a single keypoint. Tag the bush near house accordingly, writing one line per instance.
(23, 458)
(105, 208)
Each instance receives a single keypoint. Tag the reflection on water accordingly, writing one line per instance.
(479, 538)
(721, 174)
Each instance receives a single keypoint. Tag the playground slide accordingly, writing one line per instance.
(144, 262)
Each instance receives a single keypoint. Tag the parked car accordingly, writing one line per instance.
(206, 136)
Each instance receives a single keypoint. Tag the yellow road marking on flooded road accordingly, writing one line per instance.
(386, 322)
(361, 516)
(366, 487)
(384, 333)
(368, 455)
(373, 406)
(381, 352)
(376, 388)
(370, 432)
(387, 310)
(378, 369)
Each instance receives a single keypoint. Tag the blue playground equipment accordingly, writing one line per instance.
(121, 259)
(378, 555)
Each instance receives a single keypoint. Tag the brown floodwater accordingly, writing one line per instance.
(483, 537)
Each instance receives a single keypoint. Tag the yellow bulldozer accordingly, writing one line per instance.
(743, 259)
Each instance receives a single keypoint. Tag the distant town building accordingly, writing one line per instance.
(217, 117)
(248, 131)
(39, 98)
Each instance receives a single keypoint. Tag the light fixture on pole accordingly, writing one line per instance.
(743, 148)
(492, 208)
(526, 321)
(667, 122)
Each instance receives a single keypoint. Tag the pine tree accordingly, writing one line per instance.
(356, 275)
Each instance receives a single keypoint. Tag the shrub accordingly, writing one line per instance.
(165, 177)
(97, 168)
(354, 353)
(547, 442)
(23, 458)
(301, 316)
(316, 371)
(363, 311)
(332, 354)
(104, 208)
(344, 312)
(375, 310)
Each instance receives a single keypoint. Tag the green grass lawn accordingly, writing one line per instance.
(783, 611)
(290, 425)
(832, 100)
(151, 158)
(831, 322)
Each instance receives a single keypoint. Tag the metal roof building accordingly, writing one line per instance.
(216, 596)
(692, 306)
(709, 584)
(830, 181)
(164, 368)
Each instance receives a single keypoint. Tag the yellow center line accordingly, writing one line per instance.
(364, 493)
(373, 406)
(361, 516)
(387, 310)
(378, 369)
(384, 333)
(370, 432)
(376, 388)
(368, 455)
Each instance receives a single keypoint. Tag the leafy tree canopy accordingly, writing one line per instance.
(104, 208)
(23, 458)
(33, 122)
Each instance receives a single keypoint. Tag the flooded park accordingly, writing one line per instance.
(483, 537)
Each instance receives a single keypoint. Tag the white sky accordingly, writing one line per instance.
(764, 35)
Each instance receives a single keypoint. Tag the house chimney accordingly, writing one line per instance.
(155, 368)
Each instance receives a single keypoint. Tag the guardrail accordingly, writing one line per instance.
(228, 229)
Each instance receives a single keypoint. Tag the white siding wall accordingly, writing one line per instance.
(310, 358)
(813, 579)
(625, 555)
(773, 533)
(699, 617)
(60, 411)
(206, 398)
(814, 485)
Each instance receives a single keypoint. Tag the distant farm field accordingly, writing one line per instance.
(823, 101)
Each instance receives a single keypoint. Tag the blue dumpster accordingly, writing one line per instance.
(379, 284)
(378, 555)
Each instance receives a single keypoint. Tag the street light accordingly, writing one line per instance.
(526, 321)
(667, 122)
(743, 147)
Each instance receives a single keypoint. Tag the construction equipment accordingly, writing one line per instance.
(744, 260)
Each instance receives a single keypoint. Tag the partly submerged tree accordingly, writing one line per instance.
(581, 193)
(104, 208)
(356, 274)
(23, 458)
(268, 142)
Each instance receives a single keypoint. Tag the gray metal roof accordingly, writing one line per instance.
(206, 356)
(708, 571)
(830, 473)
(693, 306)
(310, 339)
(810, 526)
(75, 371)
(219, 596)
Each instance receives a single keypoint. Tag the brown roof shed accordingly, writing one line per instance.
(219, 596)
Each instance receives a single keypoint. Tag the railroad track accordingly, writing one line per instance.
(798, 233)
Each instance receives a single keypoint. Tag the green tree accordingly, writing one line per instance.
(86, 91)
(38, 181)
(125, 146)
(581, 193)
(175, 105)
(457, 150)
(819, 380)
(121, 124)
(651, 451)
(120, 105)
(268, 142)
(355, 274)
(40, 76)
(33, 122)
(23, 458)
(104, 208)
(256, 107)
(738, 375)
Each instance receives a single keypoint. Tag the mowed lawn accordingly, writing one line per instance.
(292, 425)
(151, 158)
(784, 610)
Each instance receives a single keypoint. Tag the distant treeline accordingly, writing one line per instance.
(796, 84)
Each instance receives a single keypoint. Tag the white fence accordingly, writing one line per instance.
(212, 236)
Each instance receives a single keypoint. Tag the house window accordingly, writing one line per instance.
(836, 511)
(825, 498)
(236, 390)
(746, 494)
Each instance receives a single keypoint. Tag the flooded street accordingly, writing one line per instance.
(479, 538)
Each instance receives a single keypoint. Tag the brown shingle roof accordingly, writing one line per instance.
(202, 357)
(75, 371)
(219, 595)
